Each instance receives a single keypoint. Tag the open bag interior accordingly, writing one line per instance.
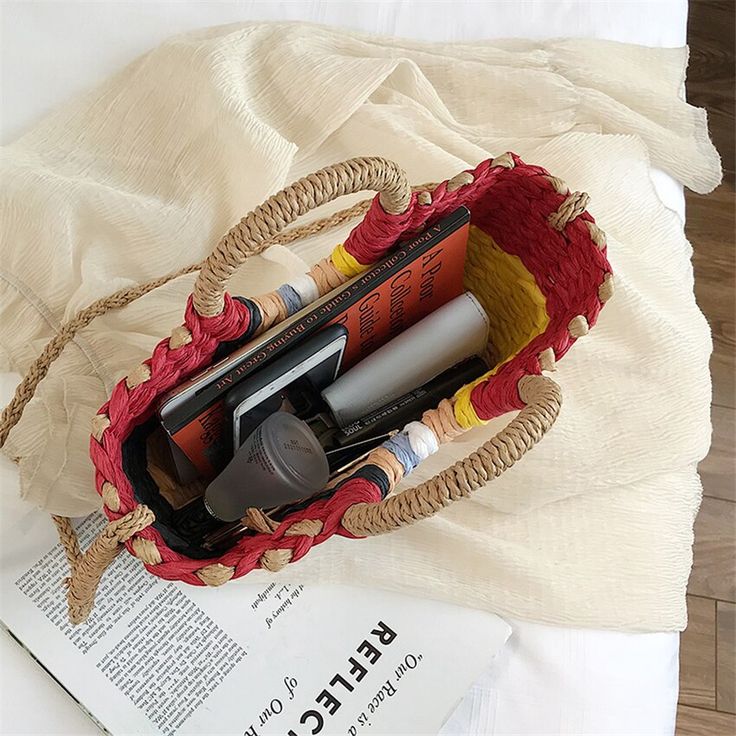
(515, 305)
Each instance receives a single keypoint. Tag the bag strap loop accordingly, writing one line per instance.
(87, 568)
(542, 398)
(258, 229)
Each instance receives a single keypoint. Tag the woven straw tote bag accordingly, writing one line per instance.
(537, 263)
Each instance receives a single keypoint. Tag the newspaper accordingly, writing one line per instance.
(159, 657)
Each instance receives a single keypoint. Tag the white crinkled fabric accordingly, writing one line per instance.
(143, 174)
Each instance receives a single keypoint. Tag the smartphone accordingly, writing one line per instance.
(290, 383)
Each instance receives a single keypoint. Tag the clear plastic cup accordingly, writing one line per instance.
(281, 462)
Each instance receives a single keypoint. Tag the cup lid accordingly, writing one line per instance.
(293, 445)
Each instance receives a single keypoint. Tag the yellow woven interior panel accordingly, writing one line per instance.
(516, 307)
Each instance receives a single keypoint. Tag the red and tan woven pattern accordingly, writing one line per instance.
(536, 262)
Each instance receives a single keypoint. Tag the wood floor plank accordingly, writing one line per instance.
(699, 722)
(714, 552)
(708, 219)
(698, 654)
(726, 657)
(718, 470)
(722, 372)
(710, 77)
(710, 227)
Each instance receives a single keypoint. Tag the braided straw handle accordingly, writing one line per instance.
(87, 568)
(258, 229)
(542, 398)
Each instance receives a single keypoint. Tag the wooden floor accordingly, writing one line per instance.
(708, 646)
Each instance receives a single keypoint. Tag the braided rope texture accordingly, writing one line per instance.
(253, 233)
(527, 212)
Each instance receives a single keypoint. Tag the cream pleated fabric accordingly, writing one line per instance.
(143, 174)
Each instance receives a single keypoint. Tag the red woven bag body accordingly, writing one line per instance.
(536, 262)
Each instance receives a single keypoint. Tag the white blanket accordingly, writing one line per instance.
(144, 173)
